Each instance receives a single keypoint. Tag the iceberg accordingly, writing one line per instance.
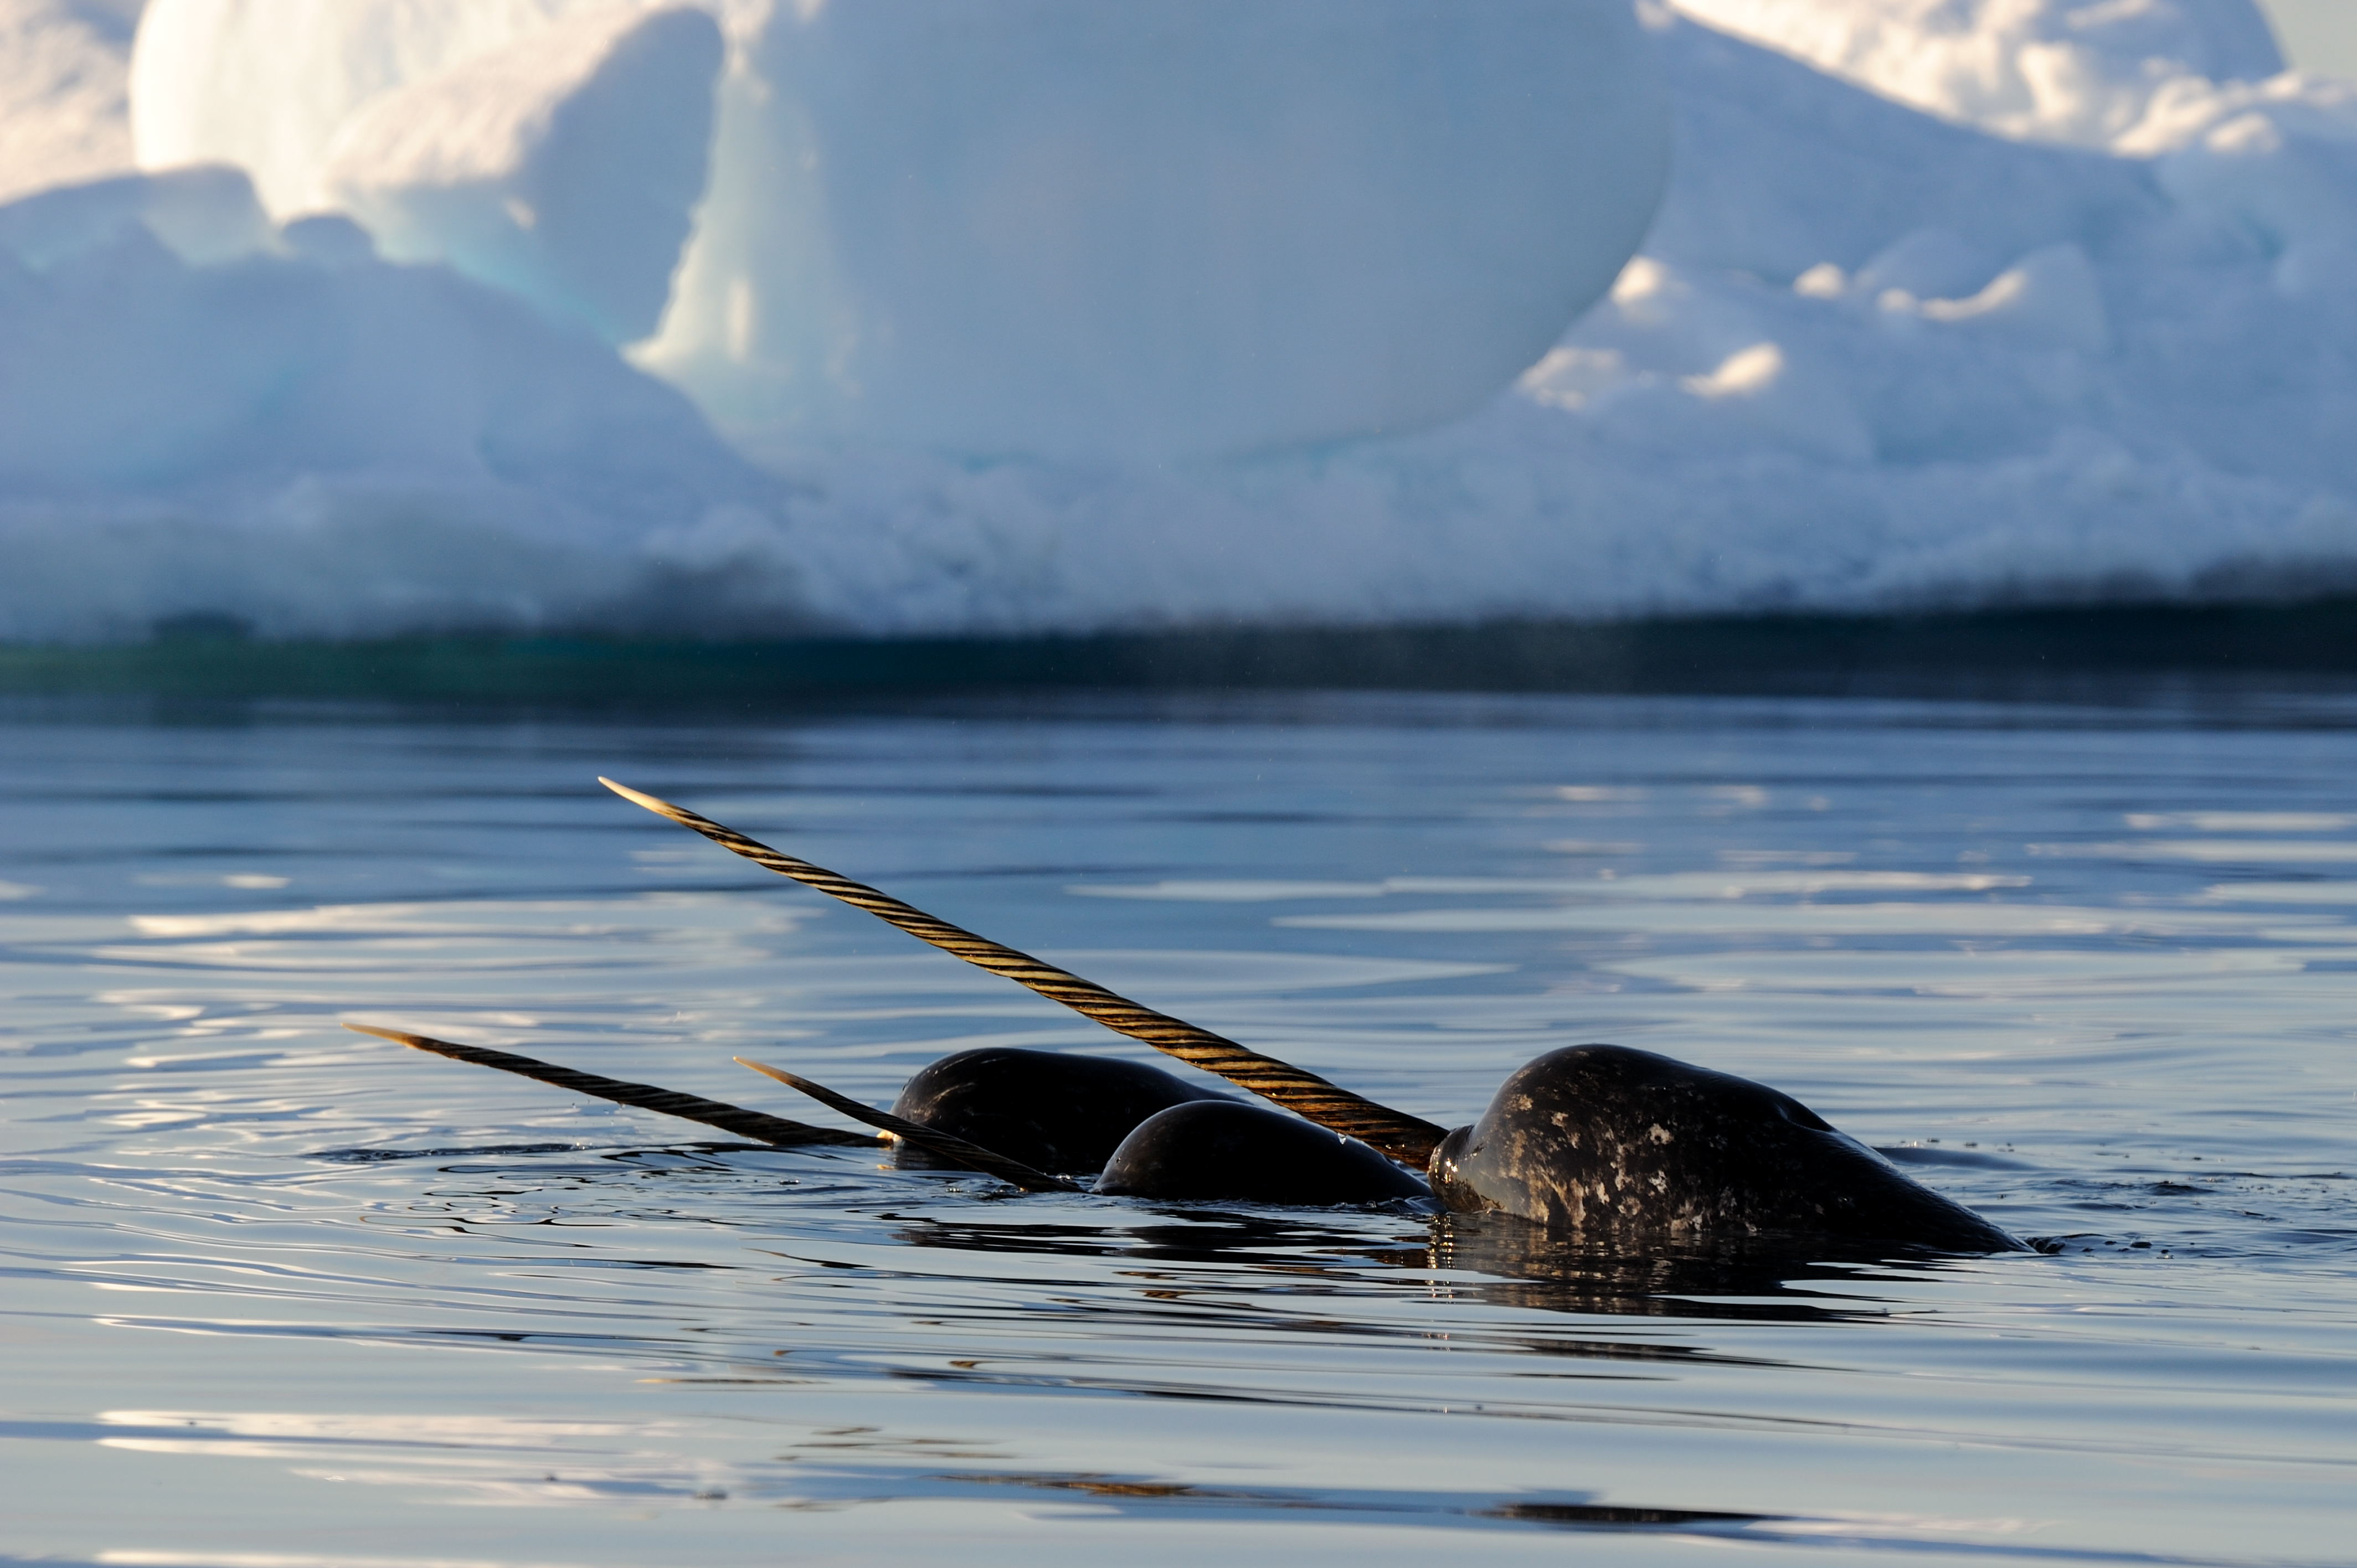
(62, 91)
(1888, 343)
(204, 414)
(204, 213)
(265, 85)
(563, 167)
(2104, 73)
(1158, 228)
(1155, 228)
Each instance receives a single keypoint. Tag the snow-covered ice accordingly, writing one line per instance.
(265, 85)
(563, 167)
(1158, 227)
(1960, 302)
(202, 415)
(2104, 73)
(62, 106)
(1066, 227)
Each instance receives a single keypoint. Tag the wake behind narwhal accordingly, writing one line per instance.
(1602, 1143)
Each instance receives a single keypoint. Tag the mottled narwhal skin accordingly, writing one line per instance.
(1052, 1112)
(1621, 1146)
(1218, 1150)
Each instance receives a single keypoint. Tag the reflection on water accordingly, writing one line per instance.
(1526, 1267)
(1482, 1257)
(2093, 972)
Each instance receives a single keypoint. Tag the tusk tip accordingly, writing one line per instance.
(635, 797)
(765, 1071)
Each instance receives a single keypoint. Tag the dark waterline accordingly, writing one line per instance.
(2038, 654)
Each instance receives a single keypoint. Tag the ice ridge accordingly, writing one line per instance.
(1887, 344)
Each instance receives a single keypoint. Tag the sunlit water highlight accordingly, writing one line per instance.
(281, 1295)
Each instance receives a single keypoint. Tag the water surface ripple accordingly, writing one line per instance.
(281, 1295)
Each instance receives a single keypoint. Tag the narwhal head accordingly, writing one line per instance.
(1611, 1142)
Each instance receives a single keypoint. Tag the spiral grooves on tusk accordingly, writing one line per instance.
(1407, 1139)
(757, 1125)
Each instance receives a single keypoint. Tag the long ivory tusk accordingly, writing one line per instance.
(1407, 1139)
(758, 1125)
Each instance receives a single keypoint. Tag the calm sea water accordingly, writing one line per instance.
(281, 1295)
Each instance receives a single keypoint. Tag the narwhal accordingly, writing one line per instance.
(1601, 1143)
